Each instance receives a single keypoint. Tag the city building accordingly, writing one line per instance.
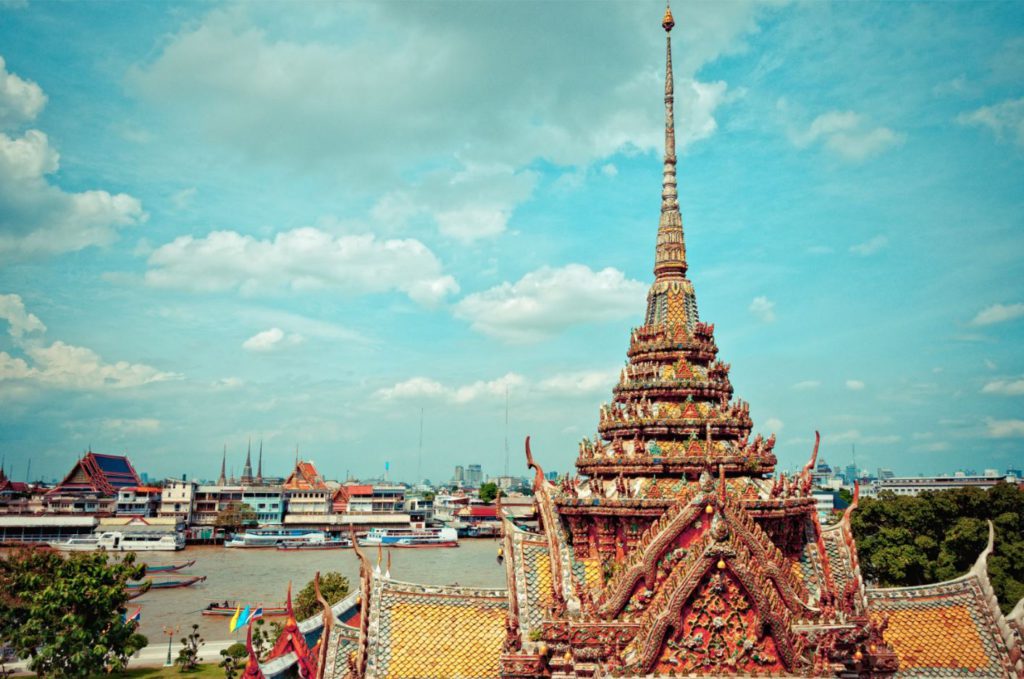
(912, 485)
(460, 475)
(675, 552)
(92, 485)
(267, 502)
(178, 500)
(474, 475)
(138, 501)
(306, 493)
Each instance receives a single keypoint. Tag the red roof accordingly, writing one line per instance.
(103, 474)
(479, 511)
(358, 490)
(305, 477)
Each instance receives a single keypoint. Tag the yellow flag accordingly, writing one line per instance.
(234, 618)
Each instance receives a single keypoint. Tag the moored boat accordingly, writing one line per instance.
(228, 608)
(136, 588)
(169, 568)
(270, 539)
(411, 537)
(116, 541)
(341, 543)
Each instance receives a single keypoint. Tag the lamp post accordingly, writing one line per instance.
(170, 632)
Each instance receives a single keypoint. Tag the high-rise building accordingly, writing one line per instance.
(460, 475)
(474, 475)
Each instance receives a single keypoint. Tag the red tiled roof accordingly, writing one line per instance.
(104, 474)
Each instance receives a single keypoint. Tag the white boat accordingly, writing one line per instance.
(270, 539)
(114, 541)
(411, 537)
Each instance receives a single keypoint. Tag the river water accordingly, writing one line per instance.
(262, 575)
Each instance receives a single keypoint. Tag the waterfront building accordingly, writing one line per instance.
(178, 500)
(212, 500)
(138, 501)
(676, 552)
(267, 502)
(306, 493)
(92, 485)
(30, 528)
(913, 485)
(14, 495)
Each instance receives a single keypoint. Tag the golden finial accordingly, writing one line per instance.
(667, 23)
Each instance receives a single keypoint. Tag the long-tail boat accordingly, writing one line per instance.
(228, 608)
(170, 568)
(136, 588)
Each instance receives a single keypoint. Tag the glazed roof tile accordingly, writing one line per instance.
(943, 630)
(418, 631)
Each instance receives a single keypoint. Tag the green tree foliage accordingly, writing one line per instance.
(333, 585)
(904, 540)
(188, 657)
(65, 613)
(236, 515)
(488, 491)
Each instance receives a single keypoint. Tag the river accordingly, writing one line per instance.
(262, 575)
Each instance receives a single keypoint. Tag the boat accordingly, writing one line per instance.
(115, 541)
(170, 568)
(340, 543)
(269, 539)
(411, 537)
(228, 608)
(135, 589)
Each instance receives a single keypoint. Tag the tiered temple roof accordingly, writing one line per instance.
(100, 474)
(676, 552)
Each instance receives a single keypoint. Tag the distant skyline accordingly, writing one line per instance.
(304, 222)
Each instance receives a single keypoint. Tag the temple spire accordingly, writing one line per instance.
(670, 256)
(223, 479)
(247, 469)
(259, 466)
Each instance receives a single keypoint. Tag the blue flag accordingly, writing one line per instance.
(244, 618)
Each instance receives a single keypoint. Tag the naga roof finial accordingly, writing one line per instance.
(538, 473)
(668, 22)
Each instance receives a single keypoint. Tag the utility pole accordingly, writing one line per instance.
(419, 453)
(506, 430)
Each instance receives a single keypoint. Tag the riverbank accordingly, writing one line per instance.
(149, 662)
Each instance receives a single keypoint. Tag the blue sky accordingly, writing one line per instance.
(307, 222)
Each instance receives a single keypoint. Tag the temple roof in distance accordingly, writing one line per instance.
(98, 473)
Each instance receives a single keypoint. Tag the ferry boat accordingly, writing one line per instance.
(114, 541)
(411, 537)
(228, 608)
(270, 539)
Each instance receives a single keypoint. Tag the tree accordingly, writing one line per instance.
(333, 585)
(935, 536)
(488, 491)
(188, 657)
(65, 614)
(236, 515)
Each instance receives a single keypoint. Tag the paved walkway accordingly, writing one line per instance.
(154, 655)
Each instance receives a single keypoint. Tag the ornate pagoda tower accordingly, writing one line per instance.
(675, 551)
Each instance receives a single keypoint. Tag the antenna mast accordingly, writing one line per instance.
(506, 430)
(419, 453)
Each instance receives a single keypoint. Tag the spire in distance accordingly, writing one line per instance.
(247, 469)
(222, 480)
(259, 466)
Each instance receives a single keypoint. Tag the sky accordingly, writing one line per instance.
(317, 225)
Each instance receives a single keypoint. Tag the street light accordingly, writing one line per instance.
(170, 632)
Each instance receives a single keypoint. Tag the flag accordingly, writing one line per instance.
(233, 625)
(257, 614)
(243, 619)
(136, 616)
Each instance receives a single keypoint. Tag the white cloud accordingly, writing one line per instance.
(854, 385)
(20, 100)
(472, 203)
(998, 313)
(141, 425)
(19, 321)
(763, 309)
(421, 388)
(549, 300)
(36, 217)
(990, 364)
(457, 83)
(301, 259)
(847, 134)
(581, 382)
(807, 385)
(1005, 387)
(1005, 120)
(870, 246)
(1005, 429)
(773, 424)
(61, 365)
(609, 170)
(182, 200)
(268, 340)
(933, 447)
